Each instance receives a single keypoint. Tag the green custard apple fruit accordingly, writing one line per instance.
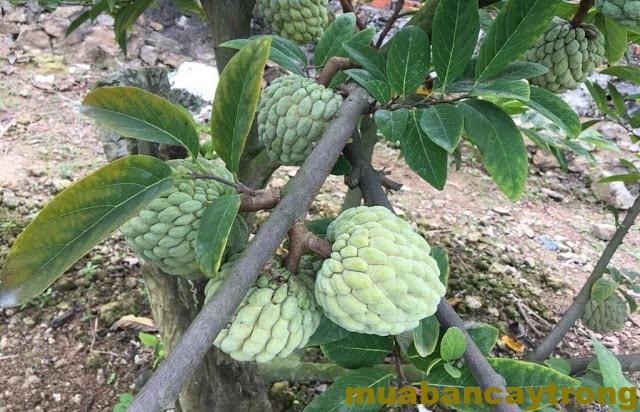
(571, 55)
(626, 12)
(380, 278)
(303, 21)
(278, 315)
(607, 315)
(164, 233)
(292, 114)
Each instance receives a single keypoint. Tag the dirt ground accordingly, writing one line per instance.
(59, 353)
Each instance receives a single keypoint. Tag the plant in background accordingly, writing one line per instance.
(153, 342)
(383, 285)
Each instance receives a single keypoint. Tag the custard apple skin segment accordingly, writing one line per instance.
(303, 21)
(380, 278)
(277, 316)
(571, 55)
(606, 316)
(292, 114)
(626, 12)
(164, 233)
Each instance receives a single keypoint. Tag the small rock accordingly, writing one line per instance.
(553, 194)
(530, 262)
(4, 343)
(36, 171)
(544, 161)
(16, 15)
(603, 231)
(77, 399)
(112, 311)
(100, 380)
(473, 302)
(556, 283)
(28, 321)
(57, 397)
(493, 312)
(34, 38)
(614, 194)
(501, 210)
(31, 380)
(130, 282)
(55, 27)
(10, 201)
(149, 55)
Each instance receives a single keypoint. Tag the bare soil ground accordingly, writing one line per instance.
(58, 352)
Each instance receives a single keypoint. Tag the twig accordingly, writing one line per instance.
(334, 64)
(301, 239)
(174, 372)
(347, 7)
(581, 13)
(527, 319)
(8, 357)
(577, 307)
(238, 186)
(93, 335)
(390, 22)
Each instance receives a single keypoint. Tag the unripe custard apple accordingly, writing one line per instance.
(299, 20)
(278, 315)
(380, 278)
(164, 233)
(570, 53)
(292, 114)
(607, 315)
(626, 12)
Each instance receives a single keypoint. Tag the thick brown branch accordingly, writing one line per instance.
(301, 239)
(581, 13)
(263, 200)
(390, 22)
(577, 307)
(165, 384)
(347, 7)
(334, 64)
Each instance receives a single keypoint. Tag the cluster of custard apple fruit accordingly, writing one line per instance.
(626, 12)
(303, 21)
(606, 315)
(570, 53)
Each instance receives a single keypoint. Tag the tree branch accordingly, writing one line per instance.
(263, 200)
(347, 7)
(577, 307)
(480, 368)
(581, 13)
(390, 22)
(301, 239)
(333, 65)
(165, 384)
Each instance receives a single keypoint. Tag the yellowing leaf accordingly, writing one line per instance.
(513, 344)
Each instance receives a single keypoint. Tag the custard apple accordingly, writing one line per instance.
(164, 232)
(380, 278)
(300, 20)
(292, 114)
(607, 315)
(277, 316)
(571, 55)
(626, 12)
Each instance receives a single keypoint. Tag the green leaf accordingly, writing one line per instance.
(615, 37)
(213, 232)
(523, 70)
(408, 60)
(500, 143)
(611, 371)
(91, 14)
(365, 380)
(189, 7)
(554, 108)
(369, 58)
(559, 364)
(283, 51)
(327, 332)
(147, 339)
(633, 305)
(76, 220)
(452, 370)
(618, 100)
(455, 32)
(595, 138)
(330, 44)
(485, 336)
(319, 226)
(599, 96)
(425, 336)
(138, 114)
(442, 259)
(357, 350)
(510, 89)
(378, 89)
(627, 177)
(453, 345)
(363, 37)
(426, 158)
(234, 105)
(392, 124)
(443, 124)
(124, 19)
(629, 73)
(516, 28)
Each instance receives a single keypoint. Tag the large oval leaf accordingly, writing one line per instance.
(443, 124)
(554, 108)
(425, 336)
(76, 220)
(327, 332)
(358, 350)
(234, 105)
(408, 60)
(213, 232)
(283, 51)
(516, 28)
(500, 143)
(138, 114)
(330, 44)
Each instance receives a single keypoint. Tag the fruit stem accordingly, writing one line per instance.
(301, 239)
(581, 13)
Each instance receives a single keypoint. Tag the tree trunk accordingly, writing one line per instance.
(220, 383)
